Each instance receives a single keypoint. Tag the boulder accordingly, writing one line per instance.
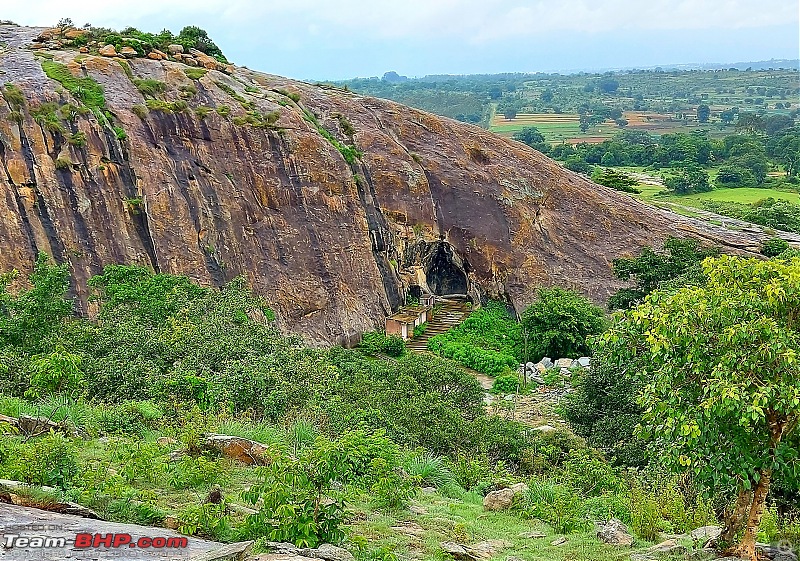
(532, 535)
(706, 533)
(474, 552)
(540, 368)
(74, 33)
(83, 50)
(107, 50)
(547, 362)
(584, 362)
(559, 541)
(563, 363)
(243, 450)
(502, 499)
(326, 551)
(231, 552)
(154, 55)
(175, 49)
(780, 552)
(544, 428)
(529, 366)
(128, 52)
(614, 532)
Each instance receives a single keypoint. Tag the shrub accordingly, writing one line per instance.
(207, 520)
(294, 500)
(223, 110)
(589, 474)
(78, 139)
(13, 95)
(774, 247)
(120, 133)
(48, 461)
(202, 111)
(150, 88)
(192, 473)
(133, 417)
(140, 111)
(549, 450)
(508, 383)
(560, 322)
(188, 91)
(379, 342)
(555, 504)
(195, 73)
(429, 470)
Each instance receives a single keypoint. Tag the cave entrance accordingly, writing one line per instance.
(445, 271)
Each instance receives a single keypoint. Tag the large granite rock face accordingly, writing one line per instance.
(332, 246)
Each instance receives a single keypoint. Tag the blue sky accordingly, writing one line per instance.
(319, 39)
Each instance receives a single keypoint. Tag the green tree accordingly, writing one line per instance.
(615, 179)
(558, 323)
(688, 179)
(703, 113)
(677, 265)
(721, 382)
(29, 316)
(584, 120)
(533, 138)
(54, 373)
(193, 37)
(786, 150)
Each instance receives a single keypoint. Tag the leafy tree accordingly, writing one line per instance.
(721, 383)
(55, 373)
(509, 111)
(677, 265)
(193, 37)
(584, 120)
(688, 179)
(786, 149)
(615, 179)
(559, 322)
(703, 113)
(607, 84)
(533, 138)
(750, 123)
(31, 315)
(546, 96)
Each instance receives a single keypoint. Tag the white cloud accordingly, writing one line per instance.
(480, 20)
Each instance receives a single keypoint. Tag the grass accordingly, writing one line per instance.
(88, 91)
(195, 73)
(744, 195)
(150, 88)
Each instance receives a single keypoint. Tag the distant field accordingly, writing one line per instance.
(564, 127)
(741, 195)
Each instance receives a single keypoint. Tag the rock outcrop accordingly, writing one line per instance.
(331, 204)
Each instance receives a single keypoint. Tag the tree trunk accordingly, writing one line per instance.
(735, 519)
(747, 547)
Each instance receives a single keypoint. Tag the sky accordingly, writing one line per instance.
(340, 39)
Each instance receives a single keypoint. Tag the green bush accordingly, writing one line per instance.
(560, 322)
(487, 341)
(774, 247)
(195, 73)
(133, 417)
(47, 461)
(557, 505)
(208, 520)
(508, 383)
(379, 342)
(590, 475)
(430, 470)
(150, 88)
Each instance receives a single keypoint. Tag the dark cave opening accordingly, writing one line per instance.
(444, 271)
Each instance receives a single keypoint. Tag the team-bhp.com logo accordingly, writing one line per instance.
(85, 541)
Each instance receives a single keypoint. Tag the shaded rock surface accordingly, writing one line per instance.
(614, 532)
(331, 244)
(33, 522)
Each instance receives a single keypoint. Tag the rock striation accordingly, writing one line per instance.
(332, 205)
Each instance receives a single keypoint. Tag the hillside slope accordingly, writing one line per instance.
(331, 204)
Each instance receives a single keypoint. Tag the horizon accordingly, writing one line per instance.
(312, 40)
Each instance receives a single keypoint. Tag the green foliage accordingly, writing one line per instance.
(85, 89)
(420, 329)
(550, 450)
(208, 520)
(120, 133)
(31, 315)
(195, 73)
(774, 247)
(78, 139)
(13, 96)
(378, 342)
(615, 179)
(223, 110)
(150, 88)
(559, 322)
(294, 498)
(190, 37)
(772, 213)
(132, 417)
(720, 385)
(140, 111)
(603, 409)
(49, 460)
(688, 179)
(507, 383)
(557, 505)
(533, 138)
(193, 473)
(429, 470)
(349, 153)
(55, 372)
(677, 265)
(487, 341)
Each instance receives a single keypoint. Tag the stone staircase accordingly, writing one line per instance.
(450, 314)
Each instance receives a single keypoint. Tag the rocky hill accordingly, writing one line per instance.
(331, 204)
